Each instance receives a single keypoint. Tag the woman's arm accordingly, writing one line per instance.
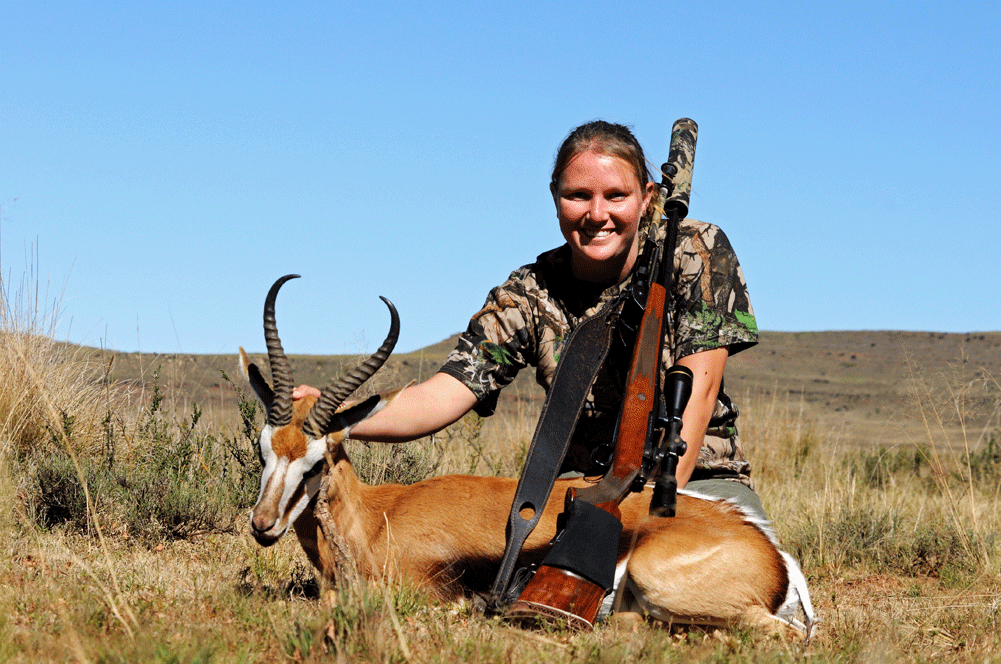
(441, 400)
(707, 373)
(419, 411)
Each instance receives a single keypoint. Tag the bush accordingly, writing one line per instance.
(862, 530)
(880, 467)
(57, 496)
(175, 480)
(984, 465)
(401, 463)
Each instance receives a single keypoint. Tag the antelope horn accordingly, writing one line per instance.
(280, 412)
(334, 395)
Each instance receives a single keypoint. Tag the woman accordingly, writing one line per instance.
(604, 200)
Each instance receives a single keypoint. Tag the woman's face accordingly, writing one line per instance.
(599, 202)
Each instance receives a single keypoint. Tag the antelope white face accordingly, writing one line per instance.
(294, 461)
(290, 479)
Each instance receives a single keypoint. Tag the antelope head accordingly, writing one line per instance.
(295, 437)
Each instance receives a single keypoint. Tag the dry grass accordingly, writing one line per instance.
(898, 544)
(221, 598)
(45, 386)
(50, 393)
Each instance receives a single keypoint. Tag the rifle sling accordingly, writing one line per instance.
(578, 367)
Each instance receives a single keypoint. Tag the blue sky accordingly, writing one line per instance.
(161, 164)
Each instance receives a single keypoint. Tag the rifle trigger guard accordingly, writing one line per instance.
(603, 455)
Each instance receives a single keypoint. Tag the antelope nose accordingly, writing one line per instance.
(261, 523)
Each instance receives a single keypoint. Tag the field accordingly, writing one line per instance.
(877, 454)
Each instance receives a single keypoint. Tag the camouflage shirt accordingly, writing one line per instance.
(527, 319)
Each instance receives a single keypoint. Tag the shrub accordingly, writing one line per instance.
(984, 465)
(173, 481)
(880, 467)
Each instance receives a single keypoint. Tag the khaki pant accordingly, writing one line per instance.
(740, 493)
(730, 489)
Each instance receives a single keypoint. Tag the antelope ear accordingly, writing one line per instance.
(256, 380)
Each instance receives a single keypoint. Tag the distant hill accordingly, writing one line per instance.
(862, 386)
(854, 387)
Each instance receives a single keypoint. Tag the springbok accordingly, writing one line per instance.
(712, 564)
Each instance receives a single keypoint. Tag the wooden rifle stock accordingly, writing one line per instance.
(572, 581)
(558, 592)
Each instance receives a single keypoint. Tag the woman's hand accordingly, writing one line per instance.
(305, 390)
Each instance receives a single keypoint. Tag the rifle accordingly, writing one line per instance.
(579, 569)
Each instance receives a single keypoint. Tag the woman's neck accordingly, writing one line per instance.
(604, 274)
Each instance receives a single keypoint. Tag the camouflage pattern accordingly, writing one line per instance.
(526, 320)
(677, 171)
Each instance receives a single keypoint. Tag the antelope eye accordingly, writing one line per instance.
(314, 471)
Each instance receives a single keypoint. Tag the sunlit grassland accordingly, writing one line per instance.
(125, 535)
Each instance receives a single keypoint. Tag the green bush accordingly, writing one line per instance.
(864, 533)
(878, 467)
(174, 481)
(402, 463)
(984, 465)
(57, 496)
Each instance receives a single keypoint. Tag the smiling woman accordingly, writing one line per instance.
(604, 200)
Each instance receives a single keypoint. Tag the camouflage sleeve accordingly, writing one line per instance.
(712, 305)
(497, 343)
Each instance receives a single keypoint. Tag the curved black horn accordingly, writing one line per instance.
(335, 394)
(280, 413)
